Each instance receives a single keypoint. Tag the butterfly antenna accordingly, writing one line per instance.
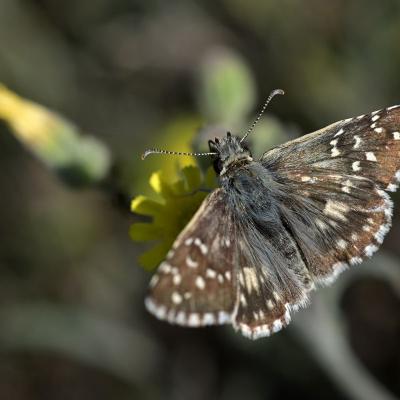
(176, 153)
(270, 97)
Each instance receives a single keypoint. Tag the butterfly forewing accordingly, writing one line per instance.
(334, 198)
(366, 146)
(195, 285)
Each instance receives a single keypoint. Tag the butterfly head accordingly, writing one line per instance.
(228, 152)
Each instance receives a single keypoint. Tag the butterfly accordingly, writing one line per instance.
(278, 227)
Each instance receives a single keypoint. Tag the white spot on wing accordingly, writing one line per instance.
(203, 248)
(356, 166)
(176, 298)
(391, 187)
(334, 151)
(200, 282)
(210, 273)
(208, 319)
(261, 331)
(180, 318)
(355, 260)
(337, 269)
(378, 130)
(336, 209)
(246, 331)
(159, 311)
(191, 263)
(370, 249)
(177, 279)
(340, 132)
(170, 254)
(370, 156)
(250, 279)
(276, 296)
(383, 230)
(354, 236)
(154, 280)
(287, 314)
(224, 317)
(358, 142)
(396, 135)
(345, 189)
(347, 185)
(375, 118)
(321, 224)
(277, 325)
(165, 268)
(194, 319)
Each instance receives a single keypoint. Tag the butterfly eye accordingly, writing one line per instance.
(245, 147)
(218, 165)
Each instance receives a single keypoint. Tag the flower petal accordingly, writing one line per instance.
(144, 206)
(160, 185)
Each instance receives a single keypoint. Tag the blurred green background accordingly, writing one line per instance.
(124, 75)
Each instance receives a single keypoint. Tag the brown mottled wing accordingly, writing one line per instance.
(196, 283)
(334, 182)
(272, 278)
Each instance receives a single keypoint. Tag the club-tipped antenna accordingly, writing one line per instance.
(270, 97)
(175, 153)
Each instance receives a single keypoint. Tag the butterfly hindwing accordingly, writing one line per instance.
(272, 280)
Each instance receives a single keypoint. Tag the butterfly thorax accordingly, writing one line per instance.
(230, 154)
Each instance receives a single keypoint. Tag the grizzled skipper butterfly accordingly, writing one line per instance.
(278, 226)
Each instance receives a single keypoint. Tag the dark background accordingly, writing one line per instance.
(132, 73)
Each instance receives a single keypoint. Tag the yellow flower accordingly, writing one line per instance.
(179, 201)
(54, 140)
